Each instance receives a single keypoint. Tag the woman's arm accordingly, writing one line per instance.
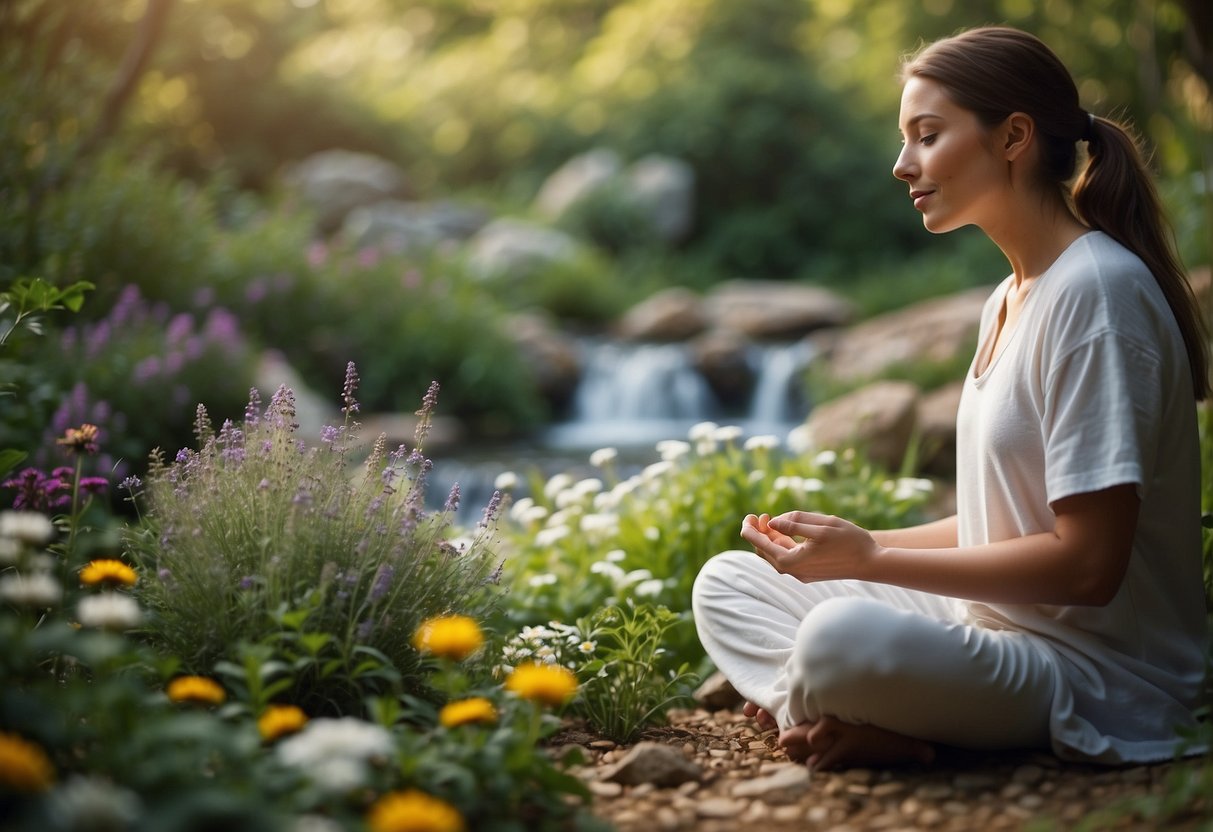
(938, 534)
(1082, 561)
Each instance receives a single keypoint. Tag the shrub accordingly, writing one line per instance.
(576, 546)
(256, 539)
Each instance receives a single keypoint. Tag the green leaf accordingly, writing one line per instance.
(10, 458)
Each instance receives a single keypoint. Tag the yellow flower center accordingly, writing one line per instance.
(24, 767)
(196, 689)
(451, 636)
(413, 811)
(476, 709)
(107, 571)
(548, 684)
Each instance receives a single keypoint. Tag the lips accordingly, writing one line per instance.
(919, 197)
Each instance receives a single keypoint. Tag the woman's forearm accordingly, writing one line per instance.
(938, 534)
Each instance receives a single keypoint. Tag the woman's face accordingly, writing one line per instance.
(948, 159)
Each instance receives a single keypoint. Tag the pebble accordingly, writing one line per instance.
(719, 807)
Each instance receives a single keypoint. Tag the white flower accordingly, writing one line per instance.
(544, 579)
(84, 803)
(335, 752)
(587, 647)
(588, 486)
(765, 442)
(811, 485)
(800, 440)
(909, 488)
(315, 823)
(637, 575)
(702, 430)
(506, 481)
(756, 477)
(727, 433)
(599, 525)
(37, 589)
(534, 515)
(610, 570)
(606, 500)
(26, 526)
(550, 536)
(786, 483)
(520, 507)
(603, 457)
(10, 551)
(568, 497)
(535, 633)
(657, 470)
(109, 611)
(652, 534)
(706, 446)
(825, 459)
(616, 555)
(671, 450)
(649, 589)
(626, 487)
(556, 484)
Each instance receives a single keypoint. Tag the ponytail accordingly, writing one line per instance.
(994, 71)
(1116, 195)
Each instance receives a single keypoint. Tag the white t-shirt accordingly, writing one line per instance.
(1093, 389)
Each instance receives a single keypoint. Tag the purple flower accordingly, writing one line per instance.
(347, 391)
(247, 582)
(164, 575)
(204, 297)
(263, 485)
(368, 257)
(365, 628)
(490, 511)
(179, 328)
(452, 499)
(131, 483)
(383, 582)
(146, 370)
(256, 291)
(302, 498)
(329, 435)
(222, 328)
(252, 411)
(93, 485)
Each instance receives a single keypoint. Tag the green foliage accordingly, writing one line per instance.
(257, 538)
(576, 547)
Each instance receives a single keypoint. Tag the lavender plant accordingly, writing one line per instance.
(256, 537)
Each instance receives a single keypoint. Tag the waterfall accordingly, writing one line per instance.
(632, 395)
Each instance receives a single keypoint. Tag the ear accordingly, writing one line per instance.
(1018, 131)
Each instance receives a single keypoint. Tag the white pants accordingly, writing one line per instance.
(869, 653)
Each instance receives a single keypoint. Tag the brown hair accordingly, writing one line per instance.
(995, 71)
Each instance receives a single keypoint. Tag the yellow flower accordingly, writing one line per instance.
(413, 811)
(449, 636)
(549, 684)
(107, 571)
(24, 767)
(196, 689)
(476, 709)
(279, 720)
(80, 440)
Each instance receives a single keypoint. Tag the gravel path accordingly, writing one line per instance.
(748, 783)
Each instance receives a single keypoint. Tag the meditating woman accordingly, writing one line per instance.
(1062, 607)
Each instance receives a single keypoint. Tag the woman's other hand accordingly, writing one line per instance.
(811, 546)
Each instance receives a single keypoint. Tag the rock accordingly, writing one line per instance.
(717, 693)
(651, 762)
(411, 226)
(312, 411)
(880, 418)
(552, 356)
(722, 357)
(769, 310)
(937, 428)
(934, 330)
(514, 249)
(575, 180)
(784, 786)
(664, 189)
(334, 182)
(719, 807)
(671, 315)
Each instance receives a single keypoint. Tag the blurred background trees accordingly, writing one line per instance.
(145, 142)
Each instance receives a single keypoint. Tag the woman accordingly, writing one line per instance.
(1062, 606)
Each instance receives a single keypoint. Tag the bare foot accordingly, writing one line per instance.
(764, 719)
(831, 743)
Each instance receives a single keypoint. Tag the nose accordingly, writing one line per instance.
(905, 168)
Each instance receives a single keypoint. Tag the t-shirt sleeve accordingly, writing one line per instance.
(1100, 421)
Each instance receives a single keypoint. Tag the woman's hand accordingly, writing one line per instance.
(811, 546)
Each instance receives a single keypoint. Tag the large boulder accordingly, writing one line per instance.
(769, 310)
(722, 357)
(935, 330)
(334, 182)
(879, 419)
(410, 226)
(671, 315)
(514, 249)
(575, 180)
(663, 188)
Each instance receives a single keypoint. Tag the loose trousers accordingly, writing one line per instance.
(869, 653)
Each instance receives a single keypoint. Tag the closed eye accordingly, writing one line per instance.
(928, 139)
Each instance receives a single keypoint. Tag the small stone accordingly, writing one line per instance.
(1031, 802)
(818, 814)
(688, 788)
(601, 789)
(668, 820)
(642, 790)
(955, 807)
(787, 814)
(627, 816)
(893, 788)
(756, 811)
(605, 745)
(928, 818)
(934, 792)
(1012, 790)
(783, 786)
(863, 776)
(974, 781)
(651, 762)
(720, 753)
(719, 807)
